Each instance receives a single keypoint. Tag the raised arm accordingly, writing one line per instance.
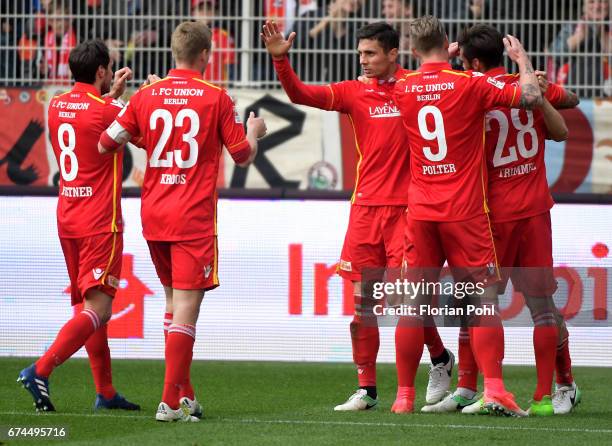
(531, 97)
(318, 96)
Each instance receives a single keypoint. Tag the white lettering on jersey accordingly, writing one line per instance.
(384, 111)
(168, 178)
(439, 169)
(517, 170)
(77, 192)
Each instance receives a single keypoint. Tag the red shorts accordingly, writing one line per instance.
(93, 262)
(186, 264)
(374, 239)
(524, 249)
(466, 245)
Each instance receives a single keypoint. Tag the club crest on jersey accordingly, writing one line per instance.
(384, 111)
(97, 273)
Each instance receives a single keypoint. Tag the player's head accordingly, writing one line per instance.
(90, 63)
(191, 43)
(378, 46)
(481, 48)
(428, 37)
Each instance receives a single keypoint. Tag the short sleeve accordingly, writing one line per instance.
(112, 108)
(233, 136)
(128, 116)
(494, 93)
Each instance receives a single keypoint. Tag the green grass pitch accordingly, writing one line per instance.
(290, 403)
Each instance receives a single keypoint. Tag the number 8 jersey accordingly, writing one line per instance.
(90, 184)
(184, 123)
(443, 111)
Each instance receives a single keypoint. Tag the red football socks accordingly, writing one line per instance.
(365, 341)
(564, 363)
(167, 323)
(488, 346)
(179, 352)
(100, 362)
(409, 340)
(432, 339)
(68, 341)
(545, 338)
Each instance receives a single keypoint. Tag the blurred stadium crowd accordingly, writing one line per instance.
(570, 39)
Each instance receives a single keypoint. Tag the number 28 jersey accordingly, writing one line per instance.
(515, 141)
(89, 183)
(443, 111)
(184, 123)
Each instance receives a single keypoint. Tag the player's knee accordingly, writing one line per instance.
(542, 310)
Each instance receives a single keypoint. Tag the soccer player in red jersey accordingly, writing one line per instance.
(184, 123)
(88, 220)
(443, 112)
(374, 238)
(520, 203)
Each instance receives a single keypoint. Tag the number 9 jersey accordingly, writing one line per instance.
(90, 183)
(184, 122)
(443, 111)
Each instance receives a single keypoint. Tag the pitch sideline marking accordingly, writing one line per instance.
(333, 423)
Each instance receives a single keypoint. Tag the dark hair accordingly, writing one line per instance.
(86, 58)
(385, 34)
(483, 42)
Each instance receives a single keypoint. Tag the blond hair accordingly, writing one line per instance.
(427, 33)
(189, 39)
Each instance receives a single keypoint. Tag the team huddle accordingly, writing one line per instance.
(451, 169)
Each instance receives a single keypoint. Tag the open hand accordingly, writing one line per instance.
(276, 44)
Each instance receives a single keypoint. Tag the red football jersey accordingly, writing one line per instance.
(184, 122)
(443, 112)
(383, 170)
(90, 183)
(515, 141)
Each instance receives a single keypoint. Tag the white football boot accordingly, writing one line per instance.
(357, 401)
(167, 414)
(439, 380)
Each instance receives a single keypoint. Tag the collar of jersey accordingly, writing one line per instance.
(393, 77)
(434, 66)
(497, 71)
(176, 72)
(81, 87)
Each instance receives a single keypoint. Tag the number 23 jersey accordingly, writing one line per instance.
(184, 123)
(443, 111)
(89, 183)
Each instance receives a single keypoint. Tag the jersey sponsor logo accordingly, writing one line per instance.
(97, 273)
(523, 169)
(384, 111)
(207, 271)
(495, 83)
(345, 266)
(477, 74)
(63, 105)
